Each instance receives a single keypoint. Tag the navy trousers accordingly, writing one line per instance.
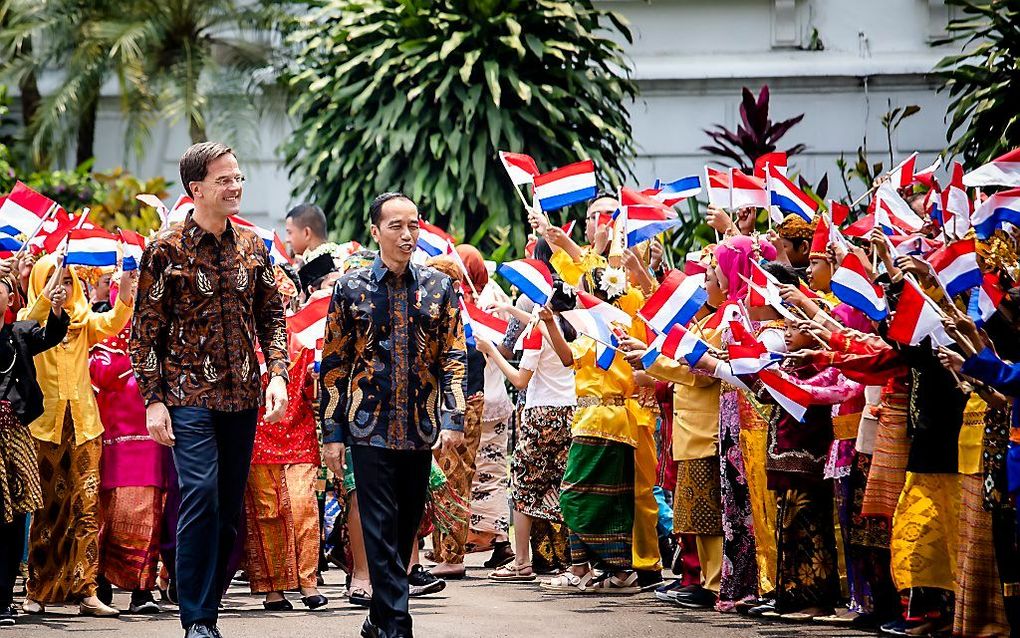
(392, 486)
(212, 454)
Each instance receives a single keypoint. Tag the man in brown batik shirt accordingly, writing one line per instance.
(206, 292)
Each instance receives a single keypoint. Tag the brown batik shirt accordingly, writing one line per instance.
(201, 304)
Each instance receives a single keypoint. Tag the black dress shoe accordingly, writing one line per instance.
(200, 630)
(278, 605)
(314, 602)
(501, 555)
(369, 630)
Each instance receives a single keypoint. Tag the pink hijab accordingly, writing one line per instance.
(733, 258)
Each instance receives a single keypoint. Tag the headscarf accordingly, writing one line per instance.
(77, 306)
(733, 258)
(475, 264)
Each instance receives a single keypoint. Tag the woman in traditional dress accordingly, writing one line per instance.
(63, 558)
(21, 402)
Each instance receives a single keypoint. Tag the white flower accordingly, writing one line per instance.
(613, 282)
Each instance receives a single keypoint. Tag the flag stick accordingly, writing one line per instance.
(49, 213)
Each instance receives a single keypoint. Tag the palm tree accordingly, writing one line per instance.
(171, 59)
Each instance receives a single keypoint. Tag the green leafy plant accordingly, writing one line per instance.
(172, 60)
(982, 80)
(418, 96)
(756, 134)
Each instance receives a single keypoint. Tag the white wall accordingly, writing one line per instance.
(690, 59)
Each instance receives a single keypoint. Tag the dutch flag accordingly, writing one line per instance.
(22, 213)
(532, 277)
(679, 343)
(645, 223)
(786, 198)
(672, 193)
(567, 185)
(433, 239)
(132, 246)
(593, 326)
(275, 246)
(1001, 171)
(851, 285)
(956, 266)
(747, 354)
(483, 324)
(91, 247)
(676, 301)
(999, 209)
(985, 300)
(790, 396)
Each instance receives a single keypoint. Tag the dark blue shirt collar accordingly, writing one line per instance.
(379, 270)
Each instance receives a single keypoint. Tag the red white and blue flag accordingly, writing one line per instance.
(985, 300)
(672, 193)
(851, 285)
(567, 185)
(916, 316)
(746, 190)
(433, 240)
(531, 276)
(593, 326)
(786, 198)
(91, 247)
(676, 301)
(132, 245)
(747, 354)
(998, 210)
(22, 213)
(679, 343)
(521, 168)
(644, 223)
(483, 324)
(308, 325)
(717, 184)
(610, 313)
(956, 266)
(277, 249)
(793, 398)
(1001, 171)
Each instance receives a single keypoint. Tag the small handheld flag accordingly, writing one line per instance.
(567, 185)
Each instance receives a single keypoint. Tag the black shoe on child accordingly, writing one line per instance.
(422, 582)
(700, 598)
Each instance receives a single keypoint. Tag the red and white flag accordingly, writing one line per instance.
(521, 168)
(483, 324)
(793, 398)
(1001, 171)
(915, 317)
(746, 190)
(308, 325)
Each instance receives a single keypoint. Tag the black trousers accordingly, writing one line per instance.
(12, 546)
(392, 486)
(212, 454)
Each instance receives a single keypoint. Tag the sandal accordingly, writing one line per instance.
(568, 583)
(610, 584)
(512, 574)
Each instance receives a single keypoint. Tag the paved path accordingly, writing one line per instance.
(472, 608)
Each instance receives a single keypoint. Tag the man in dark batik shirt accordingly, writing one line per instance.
(206, 292)
(392, 379)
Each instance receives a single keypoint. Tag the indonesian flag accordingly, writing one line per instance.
(747, 354)
(899, 210)
(851, 285)
(984, 301)
(678, 344)
(132, 246)
(775, 159)
(956, 266)
(308, 325)
(926, 176)
(717, 183)
(838, 211)
(531, 277)
(915, 317)
(483, 324)
(956, 206)
(793, 398)
(903, 174)
(1001, 171)
(179, 211)
(724, 314)
(746, 191)
(521, 168)
(760, 282)
(635, 200)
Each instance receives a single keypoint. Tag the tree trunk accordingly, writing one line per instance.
(197, 130)
(87, 133)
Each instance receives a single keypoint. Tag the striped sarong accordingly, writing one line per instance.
(597, 502)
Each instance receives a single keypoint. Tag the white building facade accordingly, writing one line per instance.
(840, 62)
